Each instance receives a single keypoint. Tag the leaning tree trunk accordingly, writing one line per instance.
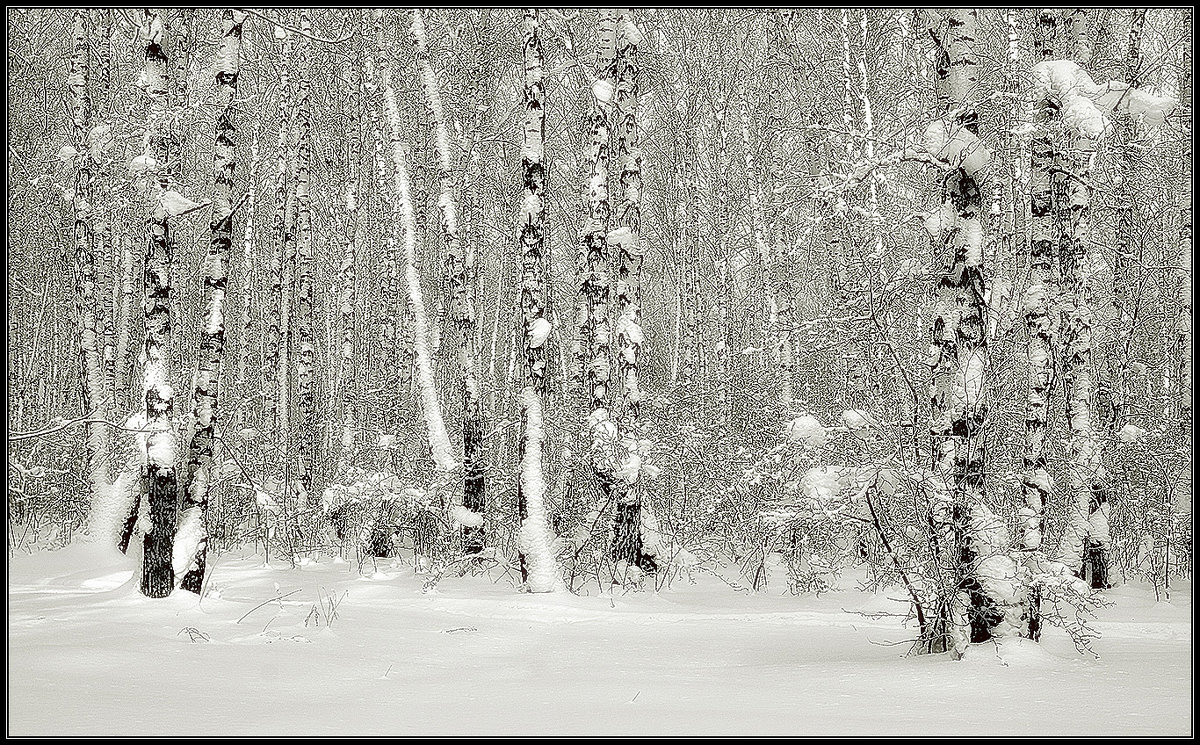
(192, 540)
(88, 304)
(435, 425)
(626, 239)
(539, 568)
(158, 577)
(459, 273)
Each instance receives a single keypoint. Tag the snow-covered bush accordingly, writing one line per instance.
(378, 515)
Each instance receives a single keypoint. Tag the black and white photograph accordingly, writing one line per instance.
(599, 372)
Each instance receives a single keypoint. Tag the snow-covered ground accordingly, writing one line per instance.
(89, 655)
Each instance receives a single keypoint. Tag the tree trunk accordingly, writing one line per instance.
(1085, 545)
(626, 239)
(158, 577)
(249, 259)
(87, 300)
(306, 434)
(348, 271)
(539, 568)
(969, 533)
(274, 397)
(439, 440)
(460, 274)
(1038, 300)
(193, 536)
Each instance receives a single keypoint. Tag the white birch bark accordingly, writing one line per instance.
(192, 540)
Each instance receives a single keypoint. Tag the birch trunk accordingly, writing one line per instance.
(1039, 298)
(159, 475)
(348, 272)
(87, 300)
(627, 241)
(460, 276)
(276, 353)
(193, 537)
(980, 602)
(1084, 547)
(439, 440)
(306, 434)
(539, 567)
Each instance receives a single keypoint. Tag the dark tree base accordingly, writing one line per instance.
(627, 537)
(158, 576)
(193, 581)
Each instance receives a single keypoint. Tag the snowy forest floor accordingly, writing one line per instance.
(89, 655)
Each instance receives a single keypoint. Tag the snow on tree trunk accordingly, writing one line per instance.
(1114, 391)
(1084, 546)
(1183, 323)
(396, 362)
(459, 272)
(1040, 296)
(439, 440)
(275, 395)
(595, 327)
(539, 567)
(306, 434)
(159, 475)
(972, 540)
(626, 239)
(249, 259)
(347, 378)
(192, 540)
(87, 301)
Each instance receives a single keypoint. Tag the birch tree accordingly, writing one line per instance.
(973, 540)
(87, 301)
(629, 254)
(1041, 323)
(348, 268)
(192, 540)
(459, 273)
(439, 440)
(595, 327)
(539, 567)
(275, 378)
(1086, 539)
(306, 446)
(159, 474)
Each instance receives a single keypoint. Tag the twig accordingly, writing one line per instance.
(271, 600)
(17, 436)
(298, 31)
